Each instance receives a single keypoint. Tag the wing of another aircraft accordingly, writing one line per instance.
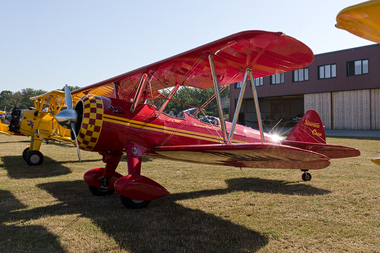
(252, 155)
(362, 20)
(266, 53)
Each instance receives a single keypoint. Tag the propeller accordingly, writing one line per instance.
(68, 118)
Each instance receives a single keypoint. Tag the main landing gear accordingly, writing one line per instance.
(135, 191)
(306, 176)
(33, 157)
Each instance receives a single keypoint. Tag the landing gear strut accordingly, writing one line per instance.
(100, 192)
(306, 176)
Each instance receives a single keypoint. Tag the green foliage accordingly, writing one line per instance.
(188, 97)
(21, 99)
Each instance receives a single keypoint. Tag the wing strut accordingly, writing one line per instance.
(238, 106)
(138, 92)
(257, 107)
(116, 89)
(168, 99)
(218, 98)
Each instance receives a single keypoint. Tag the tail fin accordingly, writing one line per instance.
(308, 129)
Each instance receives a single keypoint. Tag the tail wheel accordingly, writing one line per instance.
(34, 157)
(134, 204)
(306, 176)
(99, 192)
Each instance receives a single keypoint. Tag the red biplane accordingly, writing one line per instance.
(115, 117)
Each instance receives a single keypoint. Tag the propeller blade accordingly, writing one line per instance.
(69, 100)
(76, 140)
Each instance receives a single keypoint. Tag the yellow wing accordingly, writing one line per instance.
(362, 20)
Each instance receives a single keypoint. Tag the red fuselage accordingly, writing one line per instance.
(107, 125)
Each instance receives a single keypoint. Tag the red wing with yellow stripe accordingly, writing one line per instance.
(267, 53)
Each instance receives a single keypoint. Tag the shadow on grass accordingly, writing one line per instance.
(164, 226)
(18, 141)
(18, 169)
(257, 185)
(20, 237)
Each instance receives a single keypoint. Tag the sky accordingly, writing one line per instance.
(47, 44)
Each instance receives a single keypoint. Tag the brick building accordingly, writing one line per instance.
(342, 86)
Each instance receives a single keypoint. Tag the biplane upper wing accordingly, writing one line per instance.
(55, 97)
(252, 155)
(266, 53)
(362, 20)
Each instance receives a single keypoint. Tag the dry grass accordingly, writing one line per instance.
(211, 209)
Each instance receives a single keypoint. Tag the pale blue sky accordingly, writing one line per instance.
(47, 44)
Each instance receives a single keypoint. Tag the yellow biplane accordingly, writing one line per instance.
(3, 124)
(40, 123)
(362, 20)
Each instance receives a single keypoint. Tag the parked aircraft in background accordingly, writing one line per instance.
(362, 20)
(3, 124)
(40, 123)
(118, 116)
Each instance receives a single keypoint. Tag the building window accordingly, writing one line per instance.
(301, 75)
(327, 71)
(238, 85)
(259, 81)
(358, 67)
(277, 78)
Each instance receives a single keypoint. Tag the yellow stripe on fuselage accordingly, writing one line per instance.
(164, 129)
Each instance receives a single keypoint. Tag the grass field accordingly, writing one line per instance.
(210, 209)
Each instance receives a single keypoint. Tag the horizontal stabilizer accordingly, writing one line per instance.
(253, 155)
(376, 160)
(331, 151)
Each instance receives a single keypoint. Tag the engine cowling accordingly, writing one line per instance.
(90, 121)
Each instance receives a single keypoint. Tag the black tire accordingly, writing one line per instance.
(99, 192)
(24, 153)
(134, 204)
(306, 176)
(34, 158)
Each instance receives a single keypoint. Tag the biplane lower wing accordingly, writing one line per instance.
(253, 155)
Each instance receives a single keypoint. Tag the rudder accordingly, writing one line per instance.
(308, 129)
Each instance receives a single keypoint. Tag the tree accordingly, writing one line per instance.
(187, 97)
(9, 100)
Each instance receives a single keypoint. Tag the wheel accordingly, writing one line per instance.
(99, 192)
(24, 153)
(306, 176)
(34, 158)
(134, 204)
